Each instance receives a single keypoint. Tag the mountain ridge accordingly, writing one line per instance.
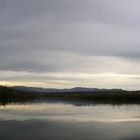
(54, 90)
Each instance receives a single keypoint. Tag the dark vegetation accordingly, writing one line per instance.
(105, 97)
(8, 95)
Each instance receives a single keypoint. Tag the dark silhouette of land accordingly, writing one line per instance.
(9, 94)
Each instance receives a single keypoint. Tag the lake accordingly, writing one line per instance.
(57, 120)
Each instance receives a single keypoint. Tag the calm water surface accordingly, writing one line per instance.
(65, 121)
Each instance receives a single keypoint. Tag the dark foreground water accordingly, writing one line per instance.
(65, 121)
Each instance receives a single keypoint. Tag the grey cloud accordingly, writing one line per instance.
(51, 35)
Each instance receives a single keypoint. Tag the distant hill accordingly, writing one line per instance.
(52, 90)
(25, 94)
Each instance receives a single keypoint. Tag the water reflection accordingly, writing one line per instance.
(58, 111)
(64, 121)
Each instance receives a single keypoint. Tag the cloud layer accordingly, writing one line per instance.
(73, 37)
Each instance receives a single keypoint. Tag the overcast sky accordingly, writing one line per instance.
(68, 43)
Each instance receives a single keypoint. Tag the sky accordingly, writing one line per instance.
(70, 43)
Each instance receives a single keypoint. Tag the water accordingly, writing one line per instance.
(66, 121)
